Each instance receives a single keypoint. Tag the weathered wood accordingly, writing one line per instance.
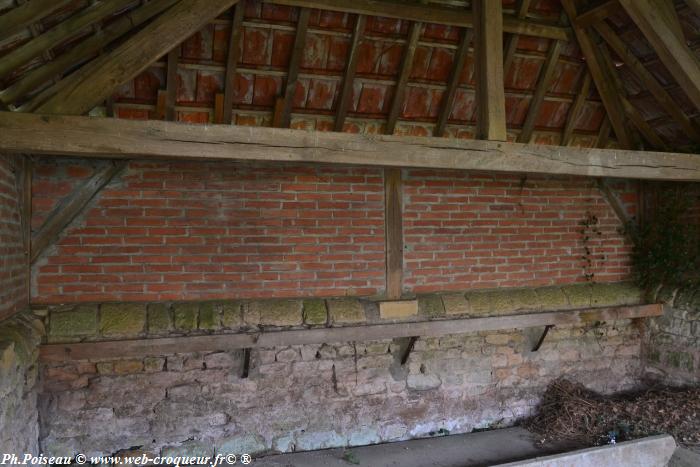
(490, 90)
(603, 82)
(414, 11)
(648, 81)
(349, 76)
(393, 215)
(224, 342)
(674, 53)
(511, 41)
(68, 209)
(285, 117)
(58, 34)
(694, 5)
(82, 51)
(404, 72)
(120, 138)
(643, 126)
(543, 83)
(232, 59)
(575, 109)
(92, 83)
(161, 98)
(219, 108)
(171, 83)
(448, 97)
(27, 13)
(613, 200)
(603, 134)
(598, 13)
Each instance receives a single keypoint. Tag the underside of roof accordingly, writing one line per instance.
(325, 66)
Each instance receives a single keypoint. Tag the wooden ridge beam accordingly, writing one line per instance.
(69, 208)
(414, 11)
(232, 59)
(94, 82)
(73, 136)
(57, 353)
(284, 117)
(662, 34)
(59, 33)
(404, 72)
(349, 76)
(20, 17)
(448, 97)
(598, 13)
(490, 89)
(511, 41)
(648, 81)
(576, 108)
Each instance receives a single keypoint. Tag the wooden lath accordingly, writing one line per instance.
(404, 71)
(283, 117)
(232, 59)
(450, 94)
(511, 42)
(349, 76)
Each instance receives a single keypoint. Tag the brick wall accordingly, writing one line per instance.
(13, 265)
(466, 230)
(169, 231)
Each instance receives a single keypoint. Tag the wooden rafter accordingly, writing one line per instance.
(404, 72)
(154, 139)
(448, 97)
(26, 14)
(511, 42)
(232, 59)
(598, 13)
(67, 210)
(603, 134)
(648, 81)
(349, 76)
(414, 11)
(80, 53)
(284, 117)
(59, 33)
(95, 81)
(543, 83)
(490, 92)
(603, 81)
(576, 108)
(643, 126)
(662, 34)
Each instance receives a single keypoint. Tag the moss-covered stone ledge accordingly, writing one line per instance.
(113, 321)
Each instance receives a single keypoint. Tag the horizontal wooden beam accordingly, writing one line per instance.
(226, 342)
(75, 136)
(414, 11)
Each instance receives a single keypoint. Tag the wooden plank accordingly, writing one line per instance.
(91, 84)
(81, 52)
(232, 59)
(603, 82)
(490, 90)
(69, 208)
(414, 11)
(576, 108)
(266, 339)
(647, 132)
(648, 81)
(603, 134)
(72, 136)
(160, 104)
(349, 76)
(674, 53)
(613, 201)
(285, 117)
(393, 213)
(543, 83)
(512, 39)
(404, 72)
(448, 97)
(59, 33)
(219, 108)
(171, 84)
(20, 17)
(598, 13)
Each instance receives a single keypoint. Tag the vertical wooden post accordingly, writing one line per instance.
(26, 215)
(490, 92)
(394, 232)
(171, 83)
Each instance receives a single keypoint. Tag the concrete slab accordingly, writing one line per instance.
(685, 458)
(470, 450)
(654, 451)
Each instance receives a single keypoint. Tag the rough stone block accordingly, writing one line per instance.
(398, 309)
(315, 312)
(501, 301)
(613, 294)
(231, 314)
(80, 321)
(122, 367)
(579, 295)
(479, 302)
(455, 304)
(320, 440)
(525, 300)
(430, 305)
(185, 316)
(188, 449)
(159, 319)
(105, 368)
(153, 364)
(277, 312)
(423, 382)
(242, 444)
(346, 311)
(122, 319)
(209, 316)
(220, 360)
(552, 298)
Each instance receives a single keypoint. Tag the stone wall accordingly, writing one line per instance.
(19, 371)
(317, 396)
(672, 347)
